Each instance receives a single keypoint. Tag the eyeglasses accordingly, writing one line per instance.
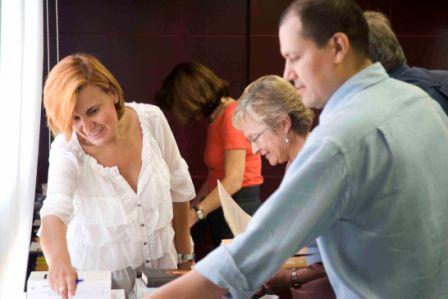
(254, 139)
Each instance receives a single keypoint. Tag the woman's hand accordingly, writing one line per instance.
(62, 278)
(280, 282)
(185, 266)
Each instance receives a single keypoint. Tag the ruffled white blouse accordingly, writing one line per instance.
(109, 226)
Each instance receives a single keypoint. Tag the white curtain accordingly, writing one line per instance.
(21, 60)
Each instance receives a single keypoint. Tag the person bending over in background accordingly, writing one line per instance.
(194, 92)
(385, 48)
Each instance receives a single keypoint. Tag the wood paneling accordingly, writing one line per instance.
(140, 41)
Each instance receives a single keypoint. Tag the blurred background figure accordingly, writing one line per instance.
(271, 115)
(385, 48)
(193, 92)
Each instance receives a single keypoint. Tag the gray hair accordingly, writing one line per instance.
(383, 44)
(268, 100)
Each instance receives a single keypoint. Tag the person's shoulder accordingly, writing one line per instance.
(145, 108)
(67, 148)
(227, 114)
(147, 113)
(231, 107)
(60, 142)
(422, 77)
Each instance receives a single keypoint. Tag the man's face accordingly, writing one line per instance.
(309, 67)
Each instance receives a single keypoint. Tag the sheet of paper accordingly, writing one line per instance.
(235, 217)
(118, 294)
(94, 285)
(238, 220)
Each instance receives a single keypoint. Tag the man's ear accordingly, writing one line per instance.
(341, 45)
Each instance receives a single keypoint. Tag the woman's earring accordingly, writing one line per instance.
(286, 140)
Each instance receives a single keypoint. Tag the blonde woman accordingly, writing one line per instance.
(118, 189)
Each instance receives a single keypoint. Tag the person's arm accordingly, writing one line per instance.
(234, 165)
(181, 186)
(181, 227)
(201, 194)
(54, 245)
(298, 212)
(56, 213)
(190, 285)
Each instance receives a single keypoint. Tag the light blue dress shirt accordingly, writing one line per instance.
(372, 184)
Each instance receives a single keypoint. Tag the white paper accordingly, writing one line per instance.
(94, 285)
(235, 217)
(141, 290)
(118, 294)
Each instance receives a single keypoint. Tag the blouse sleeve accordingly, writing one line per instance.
(182, 188)
(62, 182)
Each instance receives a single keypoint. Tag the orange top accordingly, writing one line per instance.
(222, 136)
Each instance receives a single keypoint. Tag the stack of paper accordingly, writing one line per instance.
(235, 217)
(92, 285)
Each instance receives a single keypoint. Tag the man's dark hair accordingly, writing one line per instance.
(321, 19)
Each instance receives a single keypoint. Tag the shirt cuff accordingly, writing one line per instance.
(220, 268)
(182, 196)
(58, 205)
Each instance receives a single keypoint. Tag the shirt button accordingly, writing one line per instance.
(139, 205)
(142, 224)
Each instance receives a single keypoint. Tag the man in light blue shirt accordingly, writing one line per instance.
(370, 182)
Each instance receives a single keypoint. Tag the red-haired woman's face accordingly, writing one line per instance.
(95, 119)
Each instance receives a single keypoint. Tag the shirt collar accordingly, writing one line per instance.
(399, 70)
(361, 80)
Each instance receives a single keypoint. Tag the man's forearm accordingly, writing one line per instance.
(191, 285)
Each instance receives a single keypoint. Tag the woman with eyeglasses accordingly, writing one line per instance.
(193, 92)
(271, 115)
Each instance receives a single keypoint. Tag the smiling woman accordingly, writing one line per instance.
(118, 189)
(95, 118)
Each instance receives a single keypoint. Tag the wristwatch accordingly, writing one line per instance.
(199, 213)
(182, 257)
(295, 280)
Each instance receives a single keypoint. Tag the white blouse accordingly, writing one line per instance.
(109, 226)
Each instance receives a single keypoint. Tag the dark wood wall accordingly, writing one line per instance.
(141, 40)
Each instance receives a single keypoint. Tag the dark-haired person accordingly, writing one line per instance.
(369, 183)
(385, 48)
(192, 91)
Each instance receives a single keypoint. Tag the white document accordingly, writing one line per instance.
(141, 290)
(92, 285)
(235, 217)
(118, 294)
